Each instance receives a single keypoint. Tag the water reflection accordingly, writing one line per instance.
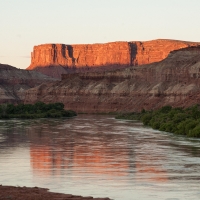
(120, 159)
(147, 171)
(82, 151)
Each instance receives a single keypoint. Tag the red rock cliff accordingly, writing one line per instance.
(174, 81)
(57, 59)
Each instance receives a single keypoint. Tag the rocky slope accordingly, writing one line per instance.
(14, 82)
(174, 81)
(57, 59)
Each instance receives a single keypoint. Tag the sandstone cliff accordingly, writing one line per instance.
(173, 81)
(57, 59)
(14, 82)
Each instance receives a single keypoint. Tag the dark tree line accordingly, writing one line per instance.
(175, 120)
(37, 110)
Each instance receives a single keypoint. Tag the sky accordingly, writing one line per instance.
(26, 23)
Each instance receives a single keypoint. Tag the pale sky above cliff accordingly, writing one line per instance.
(25, 23)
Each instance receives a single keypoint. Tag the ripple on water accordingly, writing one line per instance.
(99, 156)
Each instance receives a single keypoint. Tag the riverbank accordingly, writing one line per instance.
(181, 121)
(21, 193)
(37, 110)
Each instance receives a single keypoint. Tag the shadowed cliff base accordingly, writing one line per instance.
(174, 81)
(56, 59)
(57, 71)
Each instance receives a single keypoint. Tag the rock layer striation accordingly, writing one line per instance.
(173, 81)
(14, 82)
(57, 59)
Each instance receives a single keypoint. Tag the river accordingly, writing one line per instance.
(99, 156)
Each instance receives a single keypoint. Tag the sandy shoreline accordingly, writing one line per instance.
(35, 193)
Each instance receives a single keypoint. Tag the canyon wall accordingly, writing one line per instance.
(14, 82)
(56, 59)
(173, 81)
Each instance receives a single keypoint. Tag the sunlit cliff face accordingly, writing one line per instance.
(57, 59)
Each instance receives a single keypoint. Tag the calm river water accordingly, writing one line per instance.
(94, 155)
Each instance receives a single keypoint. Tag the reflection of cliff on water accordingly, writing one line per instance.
(98, 147)
(92, 147)
(78, 146)
(147, 171)
(78, 150)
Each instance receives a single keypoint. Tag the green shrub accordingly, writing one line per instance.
(155, 125)
(146, 118)
(168, 127)
(195, 132)
(179, 117)
(174, 120)
(165, 109)
(37, 110)
(190, 124)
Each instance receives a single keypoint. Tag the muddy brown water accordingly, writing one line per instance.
(99, 156)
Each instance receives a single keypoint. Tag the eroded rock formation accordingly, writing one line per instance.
(174, 81)
(14, 82)
(57, 59)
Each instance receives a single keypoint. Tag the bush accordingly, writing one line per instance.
(155, 125)
(195, 132)
(179, 117)
(190, 124)
(168, 127)
(175, 120)
(146, 118)
(37, 110)
(165, 109)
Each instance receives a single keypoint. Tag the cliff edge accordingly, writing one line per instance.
(56, 59)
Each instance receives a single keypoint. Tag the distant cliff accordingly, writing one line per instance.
(173, 81)
(56, 59)
(14, 82)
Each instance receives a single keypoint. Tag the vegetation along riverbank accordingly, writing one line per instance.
(183, 121)
(37, 110)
